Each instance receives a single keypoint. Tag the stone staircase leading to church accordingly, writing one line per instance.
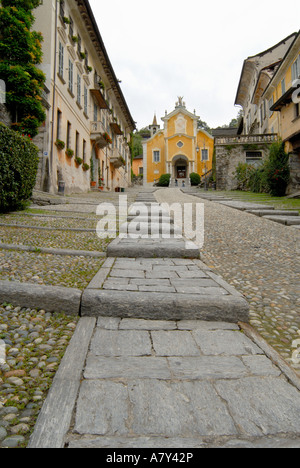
(181, 183)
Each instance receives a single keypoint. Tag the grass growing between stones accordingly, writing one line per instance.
(47, 269)
(264, 198)
(53, 239)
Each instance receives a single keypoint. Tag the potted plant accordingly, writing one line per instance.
(85, 167)
(107, 138)
(69, 153)
(60, 144)
(78, 161)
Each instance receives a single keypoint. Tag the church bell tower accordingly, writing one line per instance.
(154, 127)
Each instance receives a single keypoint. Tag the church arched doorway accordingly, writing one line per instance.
(180, 167)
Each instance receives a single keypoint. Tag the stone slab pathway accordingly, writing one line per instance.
(128, 383)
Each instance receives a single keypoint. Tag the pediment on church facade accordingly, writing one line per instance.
(180, 110)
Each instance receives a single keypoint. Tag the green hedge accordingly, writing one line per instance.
(195, 179)
(18, 169)
(164, 180)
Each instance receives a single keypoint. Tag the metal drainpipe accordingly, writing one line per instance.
(53, 97)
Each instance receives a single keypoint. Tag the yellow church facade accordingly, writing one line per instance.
(179, 149)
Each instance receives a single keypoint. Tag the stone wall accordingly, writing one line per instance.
(294, 185)
(228, 158)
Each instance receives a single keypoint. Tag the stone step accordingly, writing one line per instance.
(150, 227)
(286, 220)
(147, 210)
(273, 212)
(162, 289)
(153, 248)
(243, 206)
(149, 218)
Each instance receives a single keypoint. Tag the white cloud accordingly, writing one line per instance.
(195, 49)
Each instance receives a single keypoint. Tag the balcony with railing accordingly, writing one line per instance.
(117, 159)
(266, 138)
(98, 92)
(99, 135)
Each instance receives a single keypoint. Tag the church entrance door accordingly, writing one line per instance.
(181, 172)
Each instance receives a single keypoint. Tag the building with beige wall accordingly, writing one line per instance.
(87, 131)
(256, 74)
(269, 94)
(283, 92)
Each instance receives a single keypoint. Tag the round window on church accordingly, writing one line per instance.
(180, 144)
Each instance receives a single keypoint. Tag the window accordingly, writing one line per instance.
(85, 100)
(84, 151)
(297, 110)
(261, 110)
(271, 102)
(86, 59)
(68, 135)
(71, 76)
(253, 156)
(58, 128)
(283, 87)
(296, 69)
(95, 112)
(204, 154)
(78, 89)
(79, 44)
(62, 8)
(156, 156)
(77, 145)
(61, 60)
(71, 27)
(264, 110)
(141, 170)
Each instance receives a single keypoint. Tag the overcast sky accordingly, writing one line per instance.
(162, 49)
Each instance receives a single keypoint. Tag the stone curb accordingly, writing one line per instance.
(43, 228)
(163, 306)
(64, 252)
(49, 298)
(271, 353)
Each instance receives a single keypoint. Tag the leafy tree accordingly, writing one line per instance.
(20, 52)
(204, 126)
(136, 142)
(278, 169)
(18, 169)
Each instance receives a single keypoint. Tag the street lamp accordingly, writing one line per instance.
(205, 160)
